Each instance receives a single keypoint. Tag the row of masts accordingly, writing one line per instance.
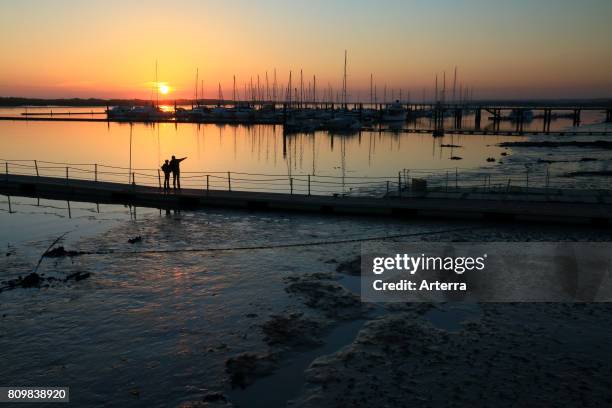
(461, 93)
(260, 90)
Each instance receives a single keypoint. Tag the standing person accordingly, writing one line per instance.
(176, 171)
(166, 169)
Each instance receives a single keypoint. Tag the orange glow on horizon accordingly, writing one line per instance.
(109, 49)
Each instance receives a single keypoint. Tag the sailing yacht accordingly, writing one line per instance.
(344, 119)
(394, 113)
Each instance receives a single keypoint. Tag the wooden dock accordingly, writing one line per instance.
(595, 209)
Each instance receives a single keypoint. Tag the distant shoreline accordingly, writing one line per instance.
(12, 101)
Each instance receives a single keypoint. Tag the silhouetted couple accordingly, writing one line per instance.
(172, 166)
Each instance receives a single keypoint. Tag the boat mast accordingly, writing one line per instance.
(301, 89)
(436, 92)
(314, 89)
(234, 91)
(274, 87)
(258, 90)
(156, 83)
(288, 97)
(196, 89)
(344, 83)
(454, 85)
(371, 95)
(444, 87)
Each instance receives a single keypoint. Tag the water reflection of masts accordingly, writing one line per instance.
(235, 144)
(370, 149)
(314, 144)
(275, 144)
(343, 160)
(130, 161)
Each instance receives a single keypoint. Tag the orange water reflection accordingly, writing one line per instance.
(253, 149)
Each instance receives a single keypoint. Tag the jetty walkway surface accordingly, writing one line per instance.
(559, 206)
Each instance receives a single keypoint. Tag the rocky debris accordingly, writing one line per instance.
(245, 368)
(77, 276)
(35, 280)
(601, 144)
(322, 293)
(401, 356)
(32, 280)
(490, 159)
(210, 400)
(352, 267)
(60, 252)
(135, 239)
(456, 158)
(293, 330)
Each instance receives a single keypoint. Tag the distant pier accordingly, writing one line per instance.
(517, 114)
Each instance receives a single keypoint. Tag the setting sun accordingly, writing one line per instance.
(164, 89)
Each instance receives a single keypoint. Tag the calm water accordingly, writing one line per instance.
(156, 321)
(259, 149)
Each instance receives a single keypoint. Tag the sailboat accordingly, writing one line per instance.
(394, 112)
(197, 113)
(343, 120)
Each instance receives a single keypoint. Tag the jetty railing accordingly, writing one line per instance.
(405, 183)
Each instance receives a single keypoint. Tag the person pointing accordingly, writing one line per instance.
(175, 167)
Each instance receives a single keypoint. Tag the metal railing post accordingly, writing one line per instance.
(36, 166)
(229, 182)
(67, 178)
(456, 178)
(446, 186)
(207, 184)
(309, 184)
(6, 173)
(407, 180)
(399, 183)
(96, 172)
(291, 185)
(159, 179)
(133, 178)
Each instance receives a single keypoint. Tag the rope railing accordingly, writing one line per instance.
(406, 182)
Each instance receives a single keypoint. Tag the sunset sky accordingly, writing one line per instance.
(506, 49)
